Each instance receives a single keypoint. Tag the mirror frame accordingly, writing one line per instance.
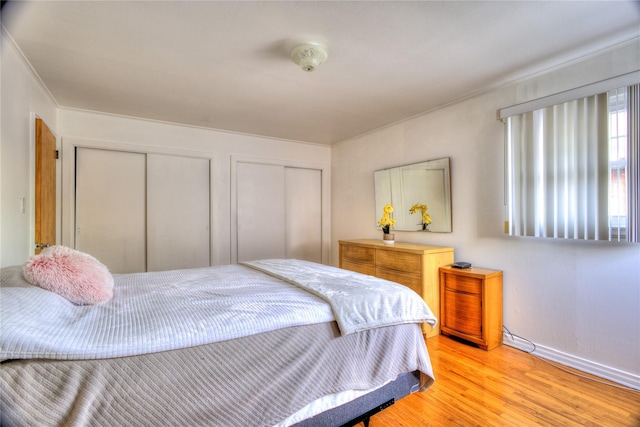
(401, 187)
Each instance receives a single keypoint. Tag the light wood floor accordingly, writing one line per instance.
(507, 387)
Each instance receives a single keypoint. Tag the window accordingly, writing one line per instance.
(618, 164)
(572, 168)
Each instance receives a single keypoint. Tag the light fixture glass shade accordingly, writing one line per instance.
(308, 56)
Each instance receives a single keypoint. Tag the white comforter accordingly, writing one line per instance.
(359, 302)
(159, 311)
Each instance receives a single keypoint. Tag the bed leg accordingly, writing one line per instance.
(366, 421)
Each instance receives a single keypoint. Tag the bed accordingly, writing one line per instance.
(265, 343)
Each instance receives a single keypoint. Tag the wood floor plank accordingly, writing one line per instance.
(508, 387)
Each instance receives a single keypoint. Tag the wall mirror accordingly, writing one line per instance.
(426, 183)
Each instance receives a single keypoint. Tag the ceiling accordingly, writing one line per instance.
(225, 64)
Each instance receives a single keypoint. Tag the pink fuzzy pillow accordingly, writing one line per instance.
(77, 276)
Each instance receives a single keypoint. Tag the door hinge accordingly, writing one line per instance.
(57, 154)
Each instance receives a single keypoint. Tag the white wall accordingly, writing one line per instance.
(22, 99)
(579, 301)
(81, 127)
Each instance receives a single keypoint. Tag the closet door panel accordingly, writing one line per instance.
(110, 208)
(260, 211)
(178, 212)
(303, 213)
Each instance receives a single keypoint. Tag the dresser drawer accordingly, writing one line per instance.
(359, 268)
(465, 284)
(358, 254)
(400, 261)
(410, 280)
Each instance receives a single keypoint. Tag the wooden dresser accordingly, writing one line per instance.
(471, 305)
(413, 265)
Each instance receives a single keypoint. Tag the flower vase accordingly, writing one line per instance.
(389, 239)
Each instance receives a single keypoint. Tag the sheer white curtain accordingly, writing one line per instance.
(558, 170)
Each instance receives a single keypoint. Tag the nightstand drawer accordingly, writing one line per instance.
(400, 261)
(468, 285)
(463, 313)
(358, 254)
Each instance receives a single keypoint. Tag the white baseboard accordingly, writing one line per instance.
(621, 377)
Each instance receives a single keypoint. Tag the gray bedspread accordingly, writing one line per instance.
(257, 380)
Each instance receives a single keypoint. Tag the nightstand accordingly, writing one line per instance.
(471, 305)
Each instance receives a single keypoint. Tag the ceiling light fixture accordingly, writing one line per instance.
(309, 55)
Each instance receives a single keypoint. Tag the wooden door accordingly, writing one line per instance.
(45, 227)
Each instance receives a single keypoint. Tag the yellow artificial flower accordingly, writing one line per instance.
(417, 207)
(426, 218)
(387, 220)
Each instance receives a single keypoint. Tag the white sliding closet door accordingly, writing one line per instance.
(177, 212)
(111, 208)
(303, 214)
(140, 212)
(260, 211)
(279, 212)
